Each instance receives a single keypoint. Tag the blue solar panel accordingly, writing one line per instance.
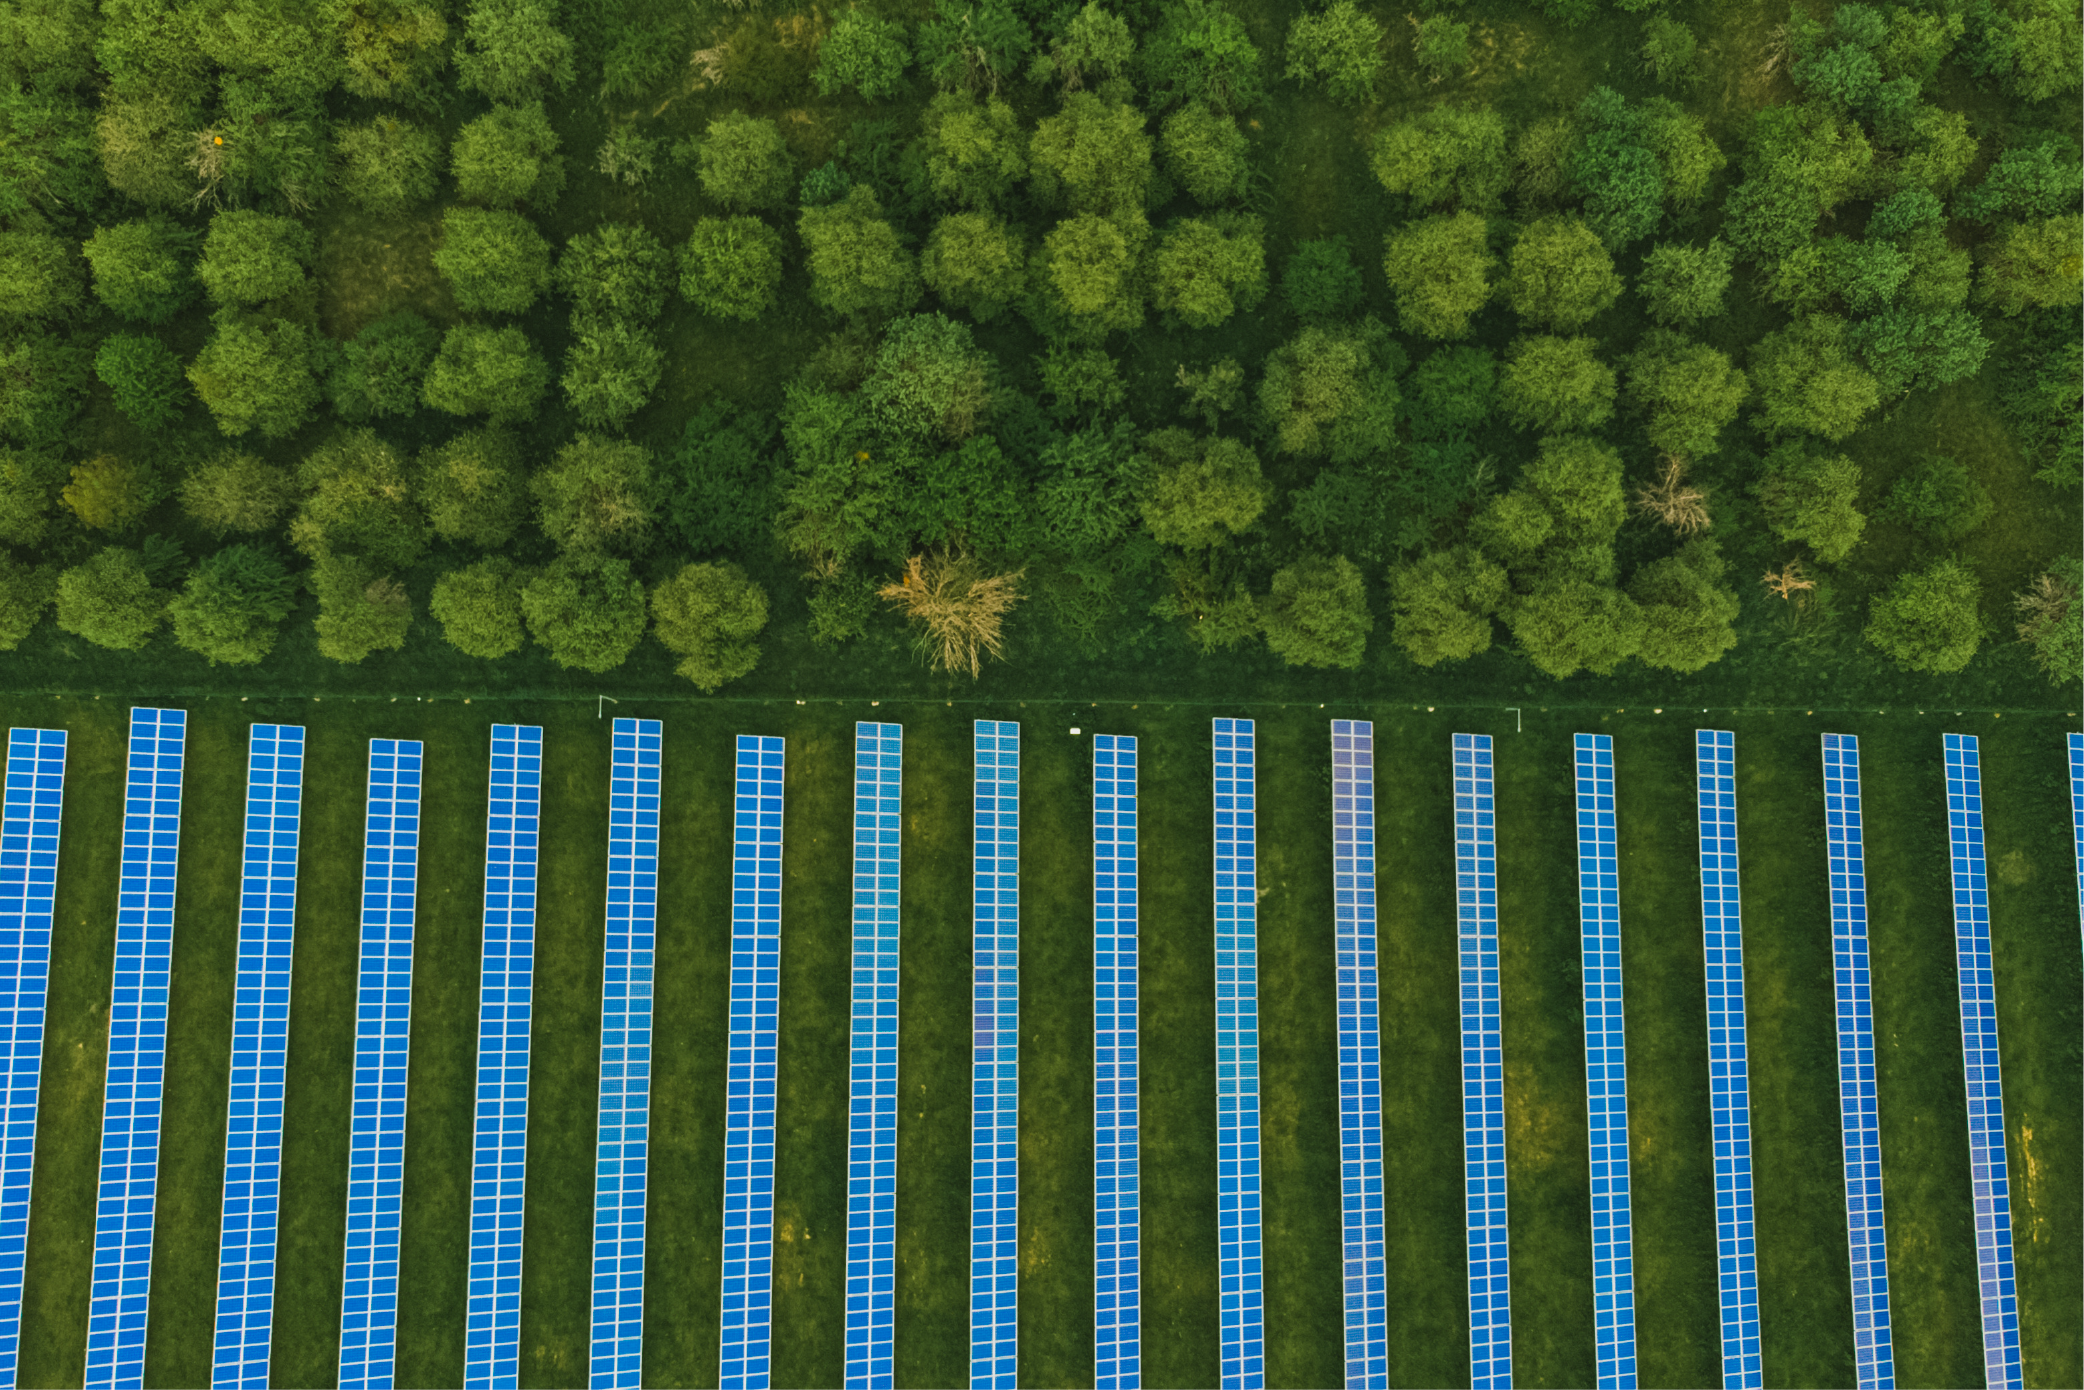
(492, 1335)
(1874, 1360)
(1988, 1168)
(28, 881)
(129, 1180)
(756, 882)
(2077, 816)
(383, 1036)
(1729, 1065)
(621, 1160)
(1237, 1059)
(872, 1065)
(1606, 1063)
(995, 1059)
(1117, 1208)
(1360, 1053)
(260, 1057)
(1483, 1065)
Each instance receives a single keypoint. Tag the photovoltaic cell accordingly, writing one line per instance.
(2077, 816)
(872, 1067)
(995, 1060)
(492, 1336)
(28, 882)
(129, 1179)
(1874, 1360)
(1237, 1059)
(756, 860)
(1729, 1066)
(383, 1036)
(1483, 1065)
(1606, 1063)
(1988, 1169)
(260, 1057)
(621, 1158)
(1117, 1212)
(1360, 1053)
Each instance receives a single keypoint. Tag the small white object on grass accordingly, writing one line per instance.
(1074, 728)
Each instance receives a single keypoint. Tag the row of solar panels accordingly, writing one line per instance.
(1117, 1183)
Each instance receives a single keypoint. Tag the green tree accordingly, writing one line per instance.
(1560, 275)
(44, 380)
(1689, 616)
(231, 609)
(141, 268)
(1207, 268)
(144, 140)
(1203, 491)
(1439, 270)
(1453, 392)
(864, 54)
(1089, 285)
(392, 50)
(587, 609)
(1080, 383)
(611, 370)
(1631, 159)
(1095, 44)
(1561, 517)
(1317, 613)
(1320, 281)
(929, 378)
(236, 491)
(1688, 390)
(1567, 625)
(1339, 45)
(976, 263)
(1200, 49)
(509, 155)
(1812, 498)
(1553, 384)
(1206, 153)
(1441, 45)
(40, 276)
(2052, 613)
(2036, 178)
(619, 269)
(379, 371)
(1911, 351)
(598, 495)
(1445, 155)
(1542, 157)
(358, 501)
(973, 44)
(731, 267)
(744, 162)
(709, 616)
(487, 371)
(858, 261)
(975, 151)
(111, 600)
(1807, 380)
(111, 493)
(29, 486)
(1443, 604)
(386, 165)
(1929, 619)
(495, 262)
(2034, 265)
(25, 592)
(1669, 50)
(144, 376)
(513, 50)
(2028, 47)
(1091, 157)
(258, 373)
(1802, 160)
(479, 607)
(252, 256)
(1333, 391)
(1940, 499)
(360, 609)
(473, 489)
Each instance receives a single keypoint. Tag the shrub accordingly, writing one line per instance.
(358, 501)
(1560, 274)
(1091, 156)
(1929, 619)
(479, 607)
(380, 370)
(40, 276)
(598, 495)
(1204, 489)
(234, 491)
(44, 380)
(2051, 612)
(509, 155)
(251, 256)
(386, 165)
(1810, 498)
(1445, 155)
(487, 371)
(258, 373)
(145, 378)
(1683, 284)
(231, 609)
(1205, 152)
(141, 268)
(472, 488)
(975, 263)
(1441, 45)
(1333, 391)
(1808, 381)
(618, 269)
(1555, 384)
(513, 49)
(111, 600)
(1689, 391)
(1095, 43)
(719, 482)
(974, 151)
(1453, 392)
(108, 493)
(1341, 46)
(862, 53)
(1317, 613)
(858, 263)
(1444, 603)
(929, 378)
(611, 370)
(627, 156)
(1542, 156)
(1940, 499)
(731, 267)
(1200, 49)
(360, 609)
(1688, 615)
(744, 162)
(1320, 281)
(495, 262)
(708, 615)
(25, 592)
(1669, 49)
(29, 485)
(1439, 270)
(587, 610)
(973, 45)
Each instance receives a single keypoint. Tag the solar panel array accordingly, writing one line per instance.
(492, 1336)
(621, 1158)
(1117, 1207)
(749, 1120)
(1606, 1062)
(1483, 1065)
(995, 1060)
(872, 1067)
(260, 1056)
(383, 1036)
(1360, 1052)
(1988, 1168)
(1874, 1359)
(2077, 815)
(28, 882)
(1729, 1065)
(1237, 1058)
(129, 1179)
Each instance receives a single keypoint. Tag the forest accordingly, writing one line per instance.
(1549, 341)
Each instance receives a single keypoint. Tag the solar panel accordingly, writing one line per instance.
(1988, 1168)
(872, 1065)
(129, 1178)
(1360, 1053)
(1237, 1059)
(1874, 1361)
(1729, 1065)
(621, 1158)
(28, 882)
(383, 1036)
(492, 1334)
(995, 1059)
(1483, 1065)
(1606, 1063)
(756, 882)
(2077, 815)
(1117, 1211)
(260, 1056)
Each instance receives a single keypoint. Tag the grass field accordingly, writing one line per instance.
(1801, 1231)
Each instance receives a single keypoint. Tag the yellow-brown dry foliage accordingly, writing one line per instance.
(207, 159)
(2044, 603)
(1788, 581)
(959, 608)
(1672, 502)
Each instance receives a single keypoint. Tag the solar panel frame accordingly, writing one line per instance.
(1238, 1243)
(499, 1163)
(1364, 1265)
(995, 1057)
(1976, 972)
(30, 829)
(1483, 1065)
(260, 1057)
(756, 886)
(1729, 1057)
(872, 1062)
(383, 1047)
(126, 1197)
(1859, 1114)
(622, 1148)
(1117, 1183)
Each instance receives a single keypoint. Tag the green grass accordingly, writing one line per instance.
(1801, 1233)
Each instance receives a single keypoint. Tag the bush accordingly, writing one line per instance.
(731, 267)
(1341, 46)
(44, 380)
(231, 609)
(2052, 620)
(258, 373)
(627, 156)
(29, 485)
(1556, 384)
(1204, 489)
(618, 269)
(1940, 499)
(1669, 49)
(111, 600)
(387, 166)
(479, 607)
(1810, 498)
(487, 371)
(233, 491)
(495, 262)
(708, 615)
(40, 276)
(1444, 604)
(974, 151)
(1320, 281)
(509, 155)
(1929, 619)
(1441, 45)
(513, 50)
(858, 263)
(1206, 153)
(1439, 270)
(587, 609)
(25, 592)
(360, 609)
(141, 268)
(472, 488)
(1453, 391)
(380, 370)
(973, 45)
(108, 493)
(1333, 391)
(598, 495)
(250, 257)
(611, 370)
(744, 162)
(1567, 625)
(358, 501)
(1317, 614)
(1206, 269)
(1683, 284)
(1808, 381)
(1091, 157)
(865, 54)
(1688, 616)
(975, 263)
(1689, 391)
(930, 379)
(1445, 155)
(719, 482)
(1200, 49)
(145, 378)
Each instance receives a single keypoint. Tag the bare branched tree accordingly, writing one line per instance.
(1788, 580)
(959, 608)
(1672, 502)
